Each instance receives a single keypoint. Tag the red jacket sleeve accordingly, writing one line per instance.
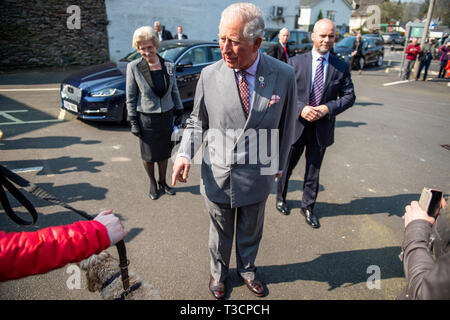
(27, 253)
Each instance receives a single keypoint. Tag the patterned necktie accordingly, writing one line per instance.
(244, 93)
(317, 89)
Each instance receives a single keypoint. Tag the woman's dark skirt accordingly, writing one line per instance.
(156, 132)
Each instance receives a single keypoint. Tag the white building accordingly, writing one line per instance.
(199, 18)
(339, 11)
(361, 15)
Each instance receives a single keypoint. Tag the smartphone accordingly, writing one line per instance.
(430, 201)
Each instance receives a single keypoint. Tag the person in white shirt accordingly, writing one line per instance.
(180, 35)
(161, 32)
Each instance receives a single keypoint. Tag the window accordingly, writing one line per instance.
(331, 14)
(293, 38)
(304, 38)
(197, 56)
(216, 55)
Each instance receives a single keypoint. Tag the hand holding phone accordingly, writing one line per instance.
(430, 201)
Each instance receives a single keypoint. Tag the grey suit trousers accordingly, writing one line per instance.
(249, 229)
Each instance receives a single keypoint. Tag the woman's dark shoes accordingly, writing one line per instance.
(153, 193)
(165, 188)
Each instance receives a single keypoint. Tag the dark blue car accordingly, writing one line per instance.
(98, 93)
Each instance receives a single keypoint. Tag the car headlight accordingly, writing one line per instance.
(107, 92)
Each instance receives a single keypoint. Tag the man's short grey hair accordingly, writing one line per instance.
(252, 17)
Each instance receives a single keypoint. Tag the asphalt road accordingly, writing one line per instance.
(388, 147)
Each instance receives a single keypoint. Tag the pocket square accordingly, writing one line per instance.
(274, 99)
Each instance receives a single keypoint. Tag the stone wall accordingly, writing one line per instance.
(36, 33)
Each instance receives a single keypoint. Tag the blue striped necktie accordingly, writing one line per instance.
(317, 89)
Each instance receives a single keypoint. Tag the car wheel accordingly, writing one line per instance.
(380, 61)
(361, 63)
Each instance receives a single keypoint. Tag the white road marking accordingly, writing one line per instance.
(30, 169)
(395, 82)
(7, 115)
(28, 89)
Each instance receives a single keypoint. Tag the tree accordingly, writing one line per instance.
(320, 16)
(391, 12)
(441, 11)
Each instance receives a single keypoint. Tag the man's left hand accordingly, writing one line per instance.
(322, 109)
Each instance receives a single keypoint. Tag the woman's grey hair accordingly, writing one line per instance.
(252, 17)
(143, 34)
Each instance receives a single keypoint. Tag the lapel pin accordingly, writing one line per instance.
(261, 82)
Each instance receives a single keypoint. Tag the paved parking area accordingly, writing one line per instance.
(388, 147)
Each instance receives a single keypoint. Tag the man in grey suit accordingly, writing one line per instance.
(245, 105)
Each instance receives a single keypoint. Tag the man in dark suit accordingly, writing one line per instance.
(280, 49)
(180, 35)
(324, 90)
(162, 33)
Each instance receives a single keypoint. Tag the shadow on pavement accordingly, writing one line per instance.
(353, 124)
(367, 104)
(393, 205)
(59, 165)
(76, 192)
(338, 269)
(49, 142)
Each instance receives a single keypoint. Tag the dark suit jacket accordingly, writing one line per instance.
(183, 36)
(166, 35)
(357, 46)
(338, 94)
(277, 52)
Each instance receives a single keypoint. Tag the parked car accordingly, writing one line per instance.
(299, 41)
(372, 50)
(393, 38)
(98, 93)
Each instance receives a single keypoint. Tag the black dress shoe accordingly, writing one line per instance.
(216, 288)
(282, 207)
(153, 193)
(255, 286)
(165, 188)
(310, 218)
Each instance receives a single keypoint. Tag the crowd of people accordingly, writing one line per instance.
(425, 55)
(306, 93)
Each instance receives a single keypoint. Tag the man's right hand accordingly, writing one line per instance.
(180, 170)
(310, 114)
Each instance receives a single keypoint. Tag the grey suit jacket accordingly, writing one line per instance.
(139, 93)
(241, 156)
